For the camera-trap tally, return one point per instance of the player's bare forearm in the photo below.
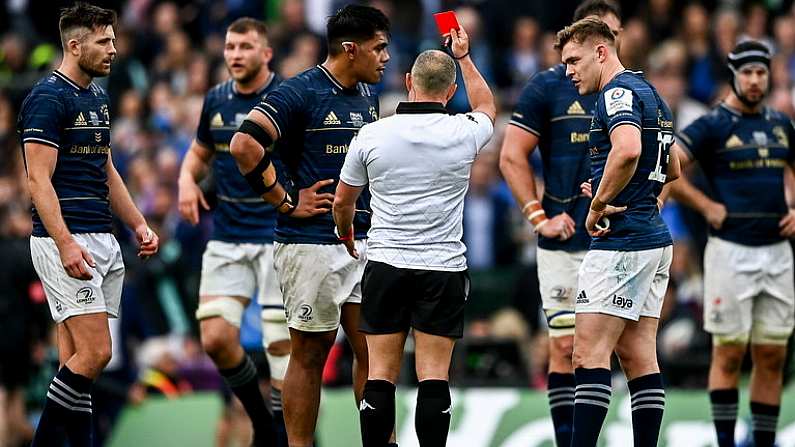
(517, 146)
(248, 153)
(620, 166)
(619, 169)
(345, 206)
(195, 164)
(120, 200)
(685, 193)
(41, 161)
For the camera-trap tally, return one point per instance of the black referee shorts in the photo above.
(395, 299)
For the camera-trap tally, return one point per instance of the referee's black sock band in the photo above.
(242, 379)
(377, 413)
(434, 411)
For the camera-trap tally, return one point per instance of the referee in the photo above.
(417, 165)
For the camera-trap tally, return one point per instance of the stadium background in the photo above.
(170, 53)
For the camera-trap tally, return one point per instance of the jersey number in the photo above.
(664, 140)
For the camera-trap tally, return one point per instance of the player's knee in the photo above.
(561, 347)
(215, 343)
(97, 356)
(770, 359)
(728, 362)
(311, 354)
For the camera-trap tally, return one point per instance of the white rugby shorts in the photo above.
(748, 289)
(557, 279)
(69, 296)
(239, 270)
(316, 280)
(625, 284)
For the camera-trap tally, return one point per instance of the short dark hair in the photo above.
(354, 23)
(582, 30)
(84, 15)
(599, 8)
(246, 24)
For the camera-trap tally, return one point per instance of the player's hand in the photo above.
(351, 247)
(787, 224)
(148, 242)
(559, 227)
(586, 190)
(459, 42)
(715, 214)
(190, 196)
(76, 260)
(601, 216)
(311, 203)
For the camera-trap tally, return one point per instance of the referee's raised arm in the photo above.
(480, 97)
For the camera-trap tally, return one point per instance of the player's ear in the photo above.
(408, 83)
(451, 91)
(601, 52)
(350, 49)
(73, 47)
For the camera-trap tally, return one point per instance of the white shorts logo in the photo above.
(618, 100)
(305, 312)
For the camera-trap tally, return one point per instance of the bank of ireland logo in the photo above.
(85, 296)
(305, 312)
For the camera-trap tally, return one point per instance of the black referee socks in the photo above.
(67, 409)
(591, 402)
(648, 404)
(377, 413)
(434, 411)
(242, 379)
(560, 391)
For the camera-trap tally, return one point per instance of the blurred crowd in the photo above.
(170, 54)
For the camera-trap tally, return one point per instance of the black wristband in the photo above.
(459, 58)
(256, 178)
(255, 131)
(288, 201)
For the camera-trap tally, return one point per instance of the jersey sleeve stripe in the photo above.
(525, 127)
(41, 140)
(685, 142)
(270, 117)
(620, 123)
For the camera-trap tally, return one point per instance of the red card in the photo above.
(446, 21)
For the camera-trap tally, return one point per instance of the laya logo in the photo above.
(621, 302)
(305, 312)
(85, 296)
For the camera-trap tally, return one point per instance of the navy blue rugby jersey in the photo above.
(241, 216)
(74, 121)
(551, 108)
(743, 157)
(316, 118)
(628, 99)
